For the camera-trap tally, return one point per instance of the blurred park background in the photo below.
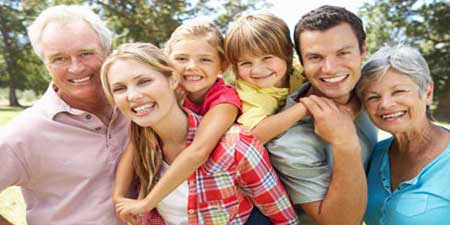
(23, 78)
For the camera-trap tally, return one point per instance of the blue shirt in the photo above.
(423, 200)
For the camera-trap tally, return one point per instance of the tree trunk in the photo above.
(442, 112)
(10, 64)
(9, 47)
(13, 101)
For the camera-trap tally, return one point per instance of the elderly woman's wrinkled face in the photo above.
(394, 104)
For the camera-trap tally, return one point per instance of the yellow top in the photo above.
(258, 103)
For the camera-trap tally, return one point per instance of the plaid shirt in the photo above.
(236, 177)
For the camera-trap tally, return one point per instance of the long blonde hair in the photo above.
(148, 158)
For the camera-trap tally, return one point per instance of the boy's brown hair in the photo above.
(258, 35)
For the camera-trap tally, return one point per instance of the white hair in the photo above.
(400, 58)
(64, 14)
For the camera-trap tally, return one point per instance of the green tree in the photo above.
(19, 69)
(154, 21)
(423, 24)
(130, 20)
(143, 20)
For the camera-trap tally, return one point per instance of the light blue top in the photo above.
(304, 161)
(423, 200)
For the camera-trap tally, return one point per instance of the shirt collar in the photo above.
(242, 84)
(53, 104)
(292, 99)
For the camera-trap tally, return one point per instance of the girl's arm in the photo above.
(123, 179)
(124, 174)
(3, 221)
(212, 127)
(276, 124)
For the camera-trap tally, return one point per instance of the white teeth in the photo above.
(192, 78)
(262, 77)
(398, 114)
(339, 78)
(84, 79)
(144, 108)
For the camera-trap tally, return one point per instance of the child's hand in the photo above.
(332, 123)
(129, 209)
(353, 106)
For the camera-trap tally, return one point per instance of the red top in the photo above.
(219, 93)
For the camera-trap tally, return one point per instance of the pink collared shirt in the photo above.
(64, 160)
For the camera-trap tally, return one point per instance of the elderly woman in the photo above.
(409, 173)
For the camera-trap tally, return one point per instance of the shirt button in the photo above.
(109, 136)
(191, 211)
(88, 117)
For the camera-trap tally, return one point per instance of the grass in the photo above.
(7, 113)
(12, 206)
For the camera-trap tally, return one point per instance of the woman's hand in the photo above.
(122, 207)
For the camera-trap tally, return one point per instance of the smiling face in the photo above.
(332, 61)
(263, 71)
(394, 104)
(73, 57)
(143, 94)
(198, 64)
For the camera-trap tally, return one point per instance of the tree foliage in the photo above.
(423, 24)
(130, 20)
(18, 63)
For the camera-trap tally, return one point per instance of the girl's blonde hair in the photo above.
(195, 30)
(148, 158)
(259, 34)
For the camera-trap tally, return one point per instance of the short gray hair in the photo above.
(400, 58)
(64, 14)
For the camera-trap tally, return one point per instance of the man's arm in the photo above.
(346, 198)
(12, 167)
(3, 221)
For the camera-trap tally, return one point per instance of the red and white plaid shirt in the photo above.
(236, 177)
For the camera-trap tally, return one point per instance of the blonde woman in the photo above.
(237, 176)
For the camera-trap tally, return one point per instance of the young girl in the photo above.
(141, 82)
(261, 53)
(196, 51)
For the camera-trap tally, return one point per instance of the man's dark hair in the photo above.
(324, 18)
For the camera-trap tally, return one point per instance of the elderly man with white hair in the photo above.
(63, 151)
